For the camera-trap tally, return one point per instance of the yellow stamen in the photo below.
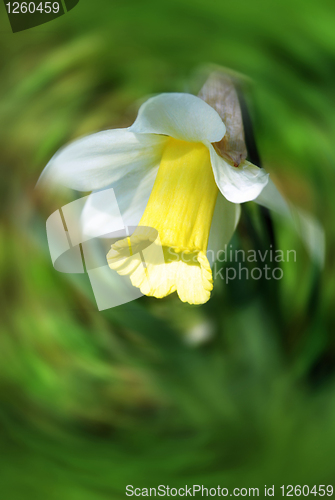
(129, 244)
(180, 209)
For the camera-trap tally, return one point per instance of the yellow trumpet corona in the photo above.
(180, 208)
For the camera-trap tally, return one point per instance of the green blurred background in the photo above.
(239, 392)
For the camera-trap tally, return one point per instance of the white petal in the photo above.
(308, 228)
(237, 184)
(132, 195)
(271, 198)
(100, 215)
(182, 116)
(95, 161)
(225, 219)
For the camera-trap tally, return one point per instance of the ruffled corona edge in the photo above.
(160, 270)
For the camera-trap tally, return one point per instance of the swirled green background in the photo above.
(91, 402)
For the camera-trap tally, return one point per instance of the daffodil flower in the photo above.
(168, 175)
